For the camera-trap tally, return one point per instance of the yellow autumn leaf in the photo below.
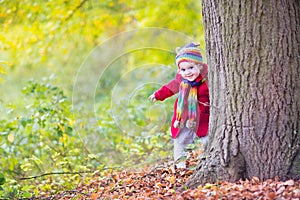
(111, 4)
(3, 63)
(2, 71)
(172, 191)
(207, 186)
(11, 137)
(128, 181)
(171, 179)
(159, 185)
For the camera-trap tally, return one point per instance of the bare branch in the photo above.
(65, 173)
(75, 9)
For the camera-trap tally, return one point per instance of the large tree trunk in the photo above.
(253, 51)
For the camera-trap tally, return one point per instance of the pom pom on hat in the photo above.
(189, 53)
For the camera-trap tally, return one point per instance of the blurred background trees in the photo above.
(43, 37)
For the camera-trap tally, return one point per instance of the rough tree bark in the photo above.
(253, 51)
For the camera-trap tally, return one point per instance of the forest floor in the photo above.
(163, 181)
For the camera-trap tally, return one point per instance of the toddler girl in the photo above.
(191, 108)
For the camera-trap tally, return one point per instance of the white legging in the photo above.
(185, 137)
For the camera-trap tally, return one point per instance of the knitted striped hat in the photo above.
(189, 53)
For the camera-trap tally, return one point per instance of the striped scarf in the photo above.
(187, 90)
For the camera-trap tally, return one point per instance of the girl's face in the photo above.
(189, 70)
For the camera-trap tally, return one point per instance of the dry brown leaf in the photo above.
(289, 183)
(94, 196)
(255, 180)
(296, 193)
(280, 190)
(271, 195)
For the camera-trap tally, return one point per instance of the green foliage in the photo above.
(43, 139)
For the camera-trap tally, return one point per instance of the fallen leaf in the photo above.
(289, 183)
(171, 179)
(255, 180)
(207, 186)
(280, 190)
(271, 195)
(297, 193)
(94, 196)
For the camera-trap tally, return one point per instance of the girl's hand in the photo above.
(152, 98)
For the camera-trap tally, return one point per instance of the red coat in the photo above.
(202, 109)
